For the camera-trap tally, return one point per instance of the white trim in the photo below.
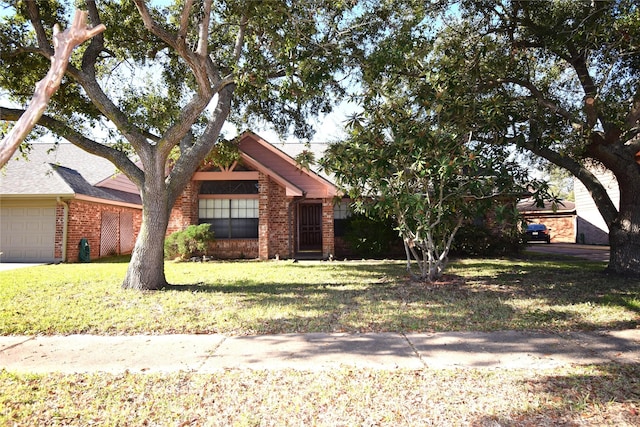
(84, 198)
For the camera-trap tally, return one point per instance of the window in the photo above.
(230, 218)
(341, 214)
(229, 187)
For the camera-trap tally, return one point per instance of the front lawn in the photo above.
(243, 298)
(277, 297)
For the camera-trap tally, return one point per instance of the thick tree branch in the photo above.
(633, 117)
(186, 166)
(184, 21)
(203, 38)
(118, 158)
(194, 61)
(41, 35)
(200, 69)
(579, 64)
(597, 191)
(64, 43)
(86, 78)
(540, 98)
(237, 49)
(97, 43)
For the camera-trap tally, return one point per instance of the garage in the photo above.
(27, 232)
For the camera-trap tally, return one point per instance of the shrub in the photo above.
(370, 238)
(192, 241)
(472, 240)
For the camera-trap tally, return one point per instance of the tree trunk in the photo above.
(146, 269)
(624, 233)
(624, 257)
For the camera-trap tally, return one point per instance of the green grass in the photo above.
(242, 298)
(584, 395)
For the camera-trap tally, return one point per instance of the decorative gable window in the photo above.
(231, 207)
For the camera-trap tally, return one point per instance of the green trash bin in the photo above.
(84, 251)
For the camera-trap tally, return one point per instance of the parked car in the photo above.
(538, 233)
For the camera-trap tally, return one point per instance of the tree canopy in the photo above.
(400, 164)
(559, 79)
(166, 77)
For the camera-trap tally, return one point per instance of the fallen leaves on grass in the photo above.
(584, 395)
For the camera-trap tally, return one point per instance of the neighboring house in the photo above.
(591, 228)
(59, 196)
(263, 206)
(561, 221)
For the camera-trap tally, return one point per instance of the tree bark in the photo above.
(624, 232)
(623, 222)
(146, 268)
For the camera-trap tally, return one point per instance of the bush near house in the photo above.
(474, 240)
(192, 241)
(372, 238)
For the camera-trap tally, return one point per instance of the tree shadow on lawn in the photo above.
(607, 394)
(379, 273)
(381, 298)
(563, 284)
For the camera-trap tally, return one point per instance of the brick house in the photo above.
(263, 206)
(59, 196)
(591, 227)
(562, 221)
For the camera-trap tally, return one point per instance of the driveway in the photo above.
(588, 252)
(5, 266)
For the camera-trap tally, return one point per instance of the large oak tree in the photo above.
(559, 79)
(162, 78)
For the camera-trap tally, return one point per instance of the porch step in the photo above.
(309, 255)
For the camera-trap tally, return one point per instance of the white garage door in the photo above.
(27, 233)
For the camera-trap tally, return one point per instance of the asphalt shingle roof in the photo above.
(64, 170)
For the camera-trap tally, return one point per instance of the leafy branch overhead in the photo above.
(63, 44)
(547, 81)
(164, 78)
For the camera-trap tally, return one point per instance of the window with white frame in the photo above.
(230, 218)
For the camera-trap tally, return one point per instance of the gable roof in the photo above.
(68, 171)
(258, 153)
(62, 170)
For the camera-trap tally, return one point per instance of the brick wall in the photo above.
(275, 222)
(234, 249)
(57, 251)
(263, 215)
(328, 235)
(84, 221)
(185, 210)
(563, 228)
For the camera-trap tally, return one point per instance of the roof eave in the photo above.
(291, 189)
(332, 190)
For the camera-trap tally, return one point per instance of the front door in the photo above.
(310, 226)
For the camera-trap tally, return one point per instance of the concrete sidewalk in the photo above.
(211, 353)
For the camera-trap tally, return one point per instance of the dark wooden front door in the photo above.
(310, 226)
